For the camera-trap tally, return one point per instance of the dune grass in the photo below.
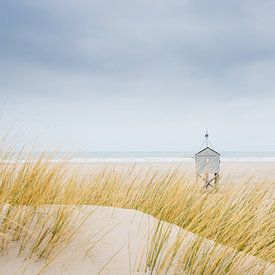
(239, 216)
(34, 212)
(170, 252)
(37, 199)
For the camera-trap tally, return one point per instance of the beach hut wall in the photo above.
(207, 161)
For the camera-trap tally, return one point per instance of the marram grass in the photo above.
(37, 199)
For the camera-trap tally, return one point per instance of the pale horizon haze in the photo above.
(138, 75)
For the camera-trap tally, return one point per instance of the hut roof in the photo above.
(208, 149)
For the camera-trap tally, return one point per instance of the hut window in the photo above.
(207, 160)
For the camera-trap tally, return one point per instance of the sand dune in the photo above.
(111, 241)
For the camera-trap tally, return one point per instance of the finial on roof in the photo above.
(206, 138)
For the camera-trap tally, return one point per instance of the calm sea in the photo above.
(123, 157)
(163, 156)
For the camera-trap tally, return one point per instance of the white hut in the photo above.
(207, 163)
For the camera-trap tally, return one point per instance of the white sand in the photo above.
(109, 232)
(241, 171)
(111, 241)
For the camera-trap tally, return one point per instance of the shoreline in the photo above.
(137, 160)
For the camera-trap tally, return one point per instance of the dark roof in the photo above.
(207, 148)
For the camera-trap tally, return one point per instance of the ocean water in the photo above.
(164, 156)
(140, 157)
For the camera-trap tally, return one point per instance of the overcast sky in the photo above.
(140, 74)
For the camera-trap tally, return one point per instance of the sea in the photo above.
(156, 156)
(139, 157)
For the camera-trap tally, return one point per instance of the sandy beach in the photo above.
(255, 171)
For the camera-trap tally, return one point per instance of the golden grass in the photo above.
(239, 216)
(33, 209)
(182, 253)
(37, 199)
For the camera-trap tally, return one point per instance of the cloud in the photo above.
(171, 66)
(121, 37)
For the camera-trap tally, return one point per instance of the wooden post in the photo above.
(206, 178)
(216, 180)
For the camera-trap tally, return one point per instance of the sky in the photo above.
(139, 75)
